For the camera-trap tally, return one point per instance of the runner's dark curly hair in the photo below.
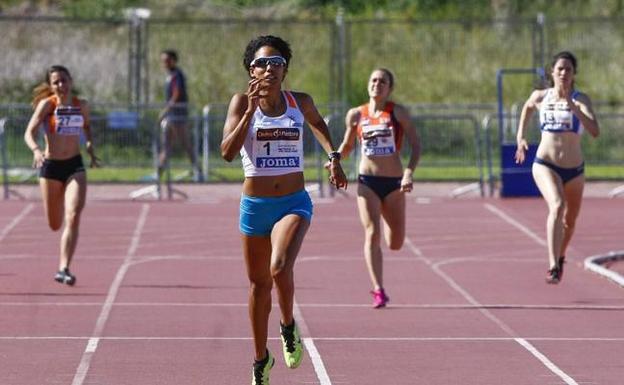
(267, 40)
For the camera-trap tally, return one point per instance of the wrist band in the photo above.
(333, 155)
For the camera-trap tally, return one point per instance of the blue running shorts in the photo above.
(258, 215)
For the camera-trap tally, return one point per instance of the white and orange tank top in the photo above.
(381, 135)
(274, 145)
(65, 120)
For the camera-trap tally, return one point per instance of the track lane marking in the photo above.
(450, 306)
(317, 362)
(85, 360)
(92, 345)
(507, 218)
(544, 360)
(501, 324)
(95, 341)
(7, 229)
(594, 263)
(308, 342)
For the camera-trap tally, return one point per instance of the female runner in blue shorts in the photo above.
(380, 126)
(62, 176)
(265, 124)
(558, 169)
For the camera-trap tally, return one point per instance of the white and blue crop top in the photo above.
(274, 145)
(556, 116)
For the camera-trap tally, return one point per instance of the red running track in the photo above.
(161, 298)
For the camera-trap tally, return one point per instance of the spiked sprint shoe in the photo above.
(553, 276)
(291, 344)
(64, 276)
(380, 299)
(261, 369)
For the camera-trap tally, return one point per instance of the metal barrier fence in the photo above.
(130, 142)
(3, 157)
(452, 141)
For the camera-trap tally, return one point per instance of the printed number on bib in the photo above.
(68, 123)
(378, 139)
(277, 148)
(558, 116)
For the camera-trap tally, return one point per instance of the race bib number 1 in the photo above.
(277, 148)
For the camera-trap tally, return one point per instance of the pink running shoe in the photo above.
(380, 299)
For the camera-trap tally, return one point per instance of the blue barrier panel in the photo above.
(123, 120)
(516, 179)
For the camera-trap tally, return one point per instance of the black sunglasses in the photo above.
(263, 62)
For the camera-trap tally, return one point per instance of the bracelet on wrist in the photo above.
(334, 155)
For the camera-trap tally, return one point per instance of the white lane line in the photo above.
(7, 229)
(515, 223)
(48, 256)
(450, 306)
(308, 342)
(491, 258)
(594, 262)
(85, 361)
(95, 341)
(317, 362)
(417, 252)
(548, 363)
(457, 287)
(92, 345)
(203, 258)
(449, 261)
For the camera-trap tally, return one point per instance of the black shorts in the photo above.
(566, 174)
(381, 185)
(61, 170)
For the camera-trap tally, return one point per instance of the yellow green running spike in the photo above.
(291, 344)
(260, 373)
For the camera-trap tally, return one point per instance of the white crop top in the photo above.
(274, 145)
(556, 116)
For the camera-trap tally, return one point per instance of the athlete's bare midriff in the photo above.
(274, 185)
(61, 147)
(381, 166)
(562, 149)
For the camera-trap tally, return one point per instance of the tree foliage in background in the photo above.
(403, 9)
(472, 41)
(96, 9)
(420, 9)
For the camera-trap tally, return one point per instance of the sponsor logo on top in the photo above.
(281, 162)
(278, 134)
